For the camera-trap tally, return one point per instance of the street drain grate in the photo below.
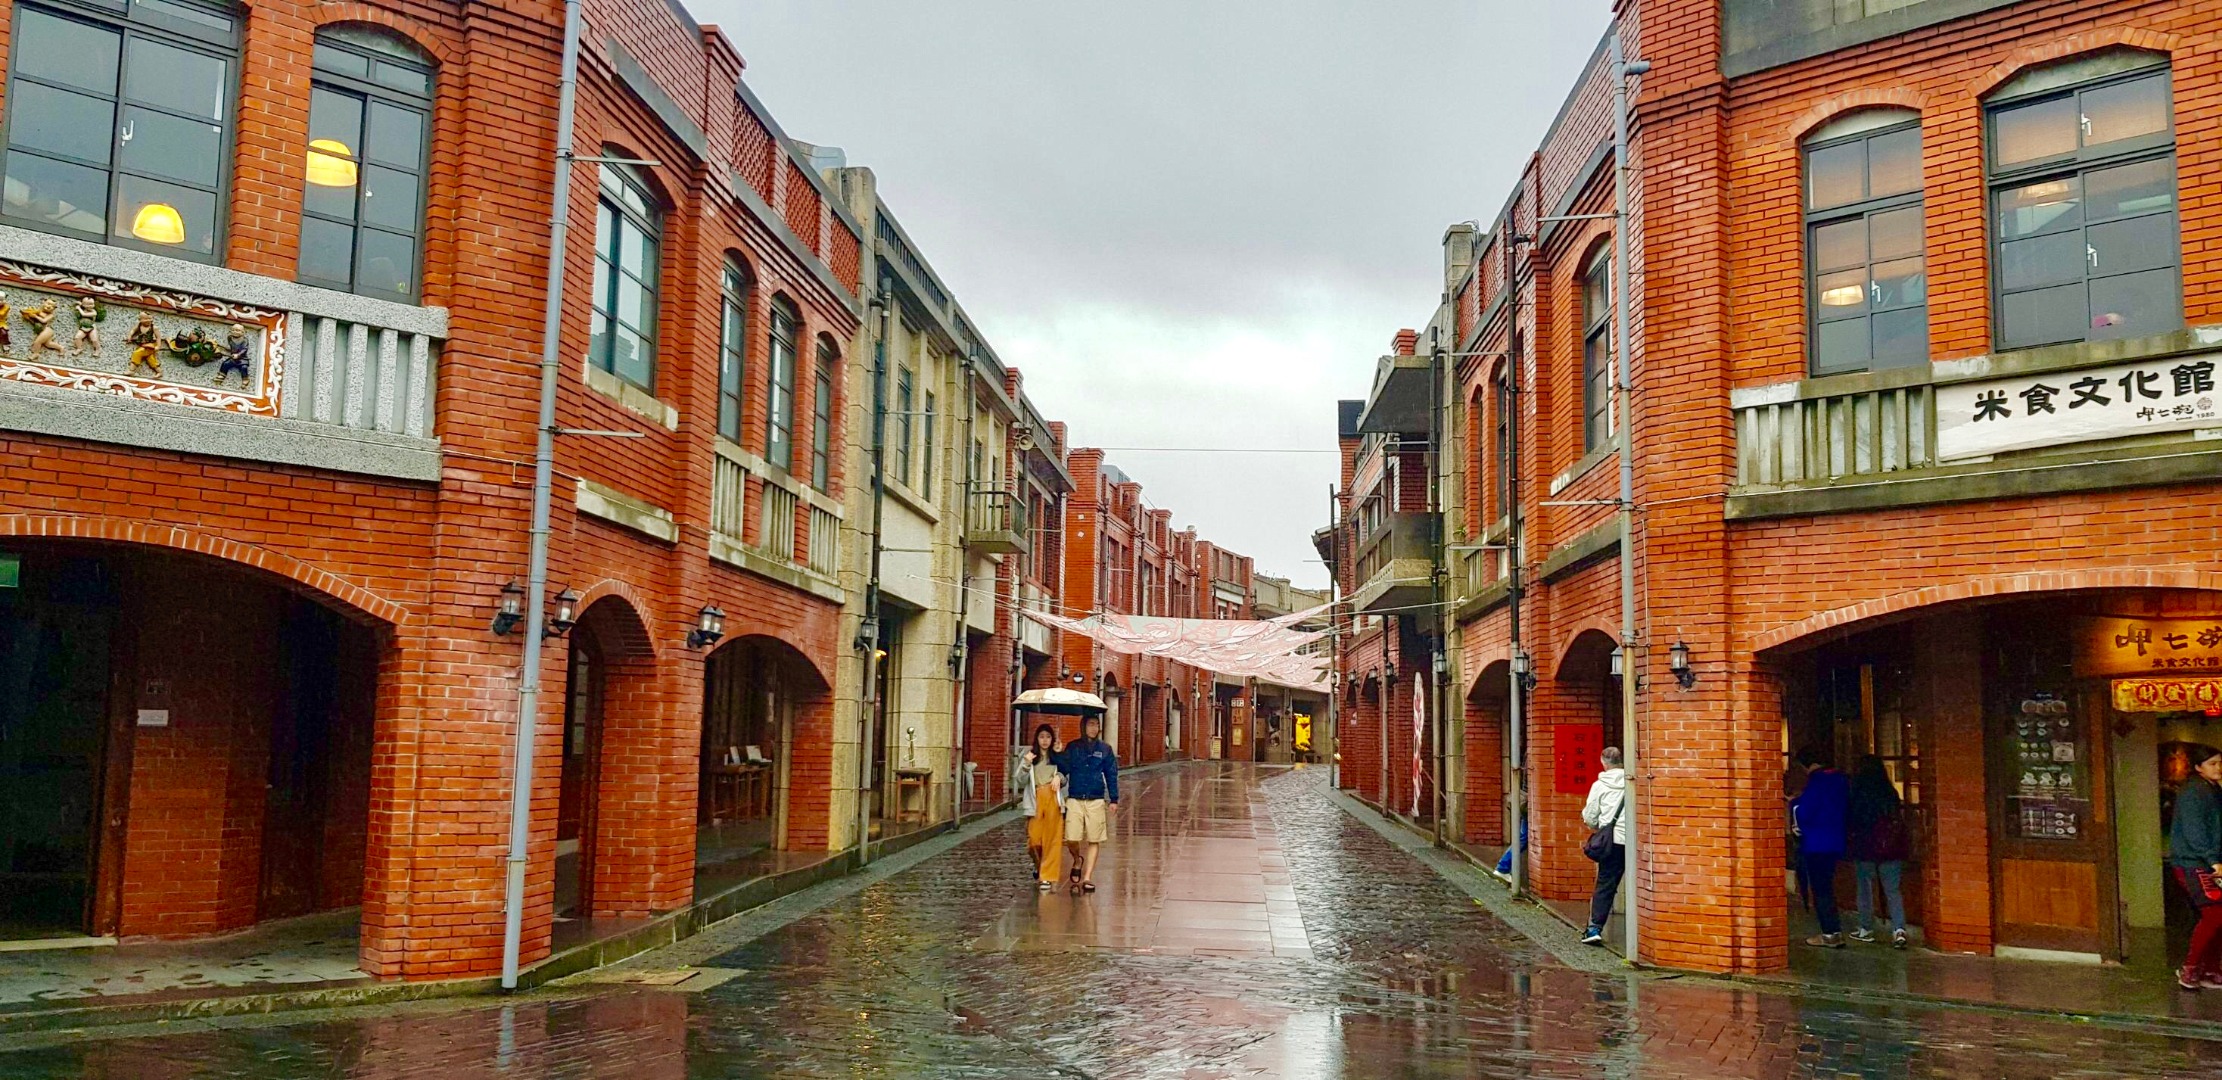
(683, 980)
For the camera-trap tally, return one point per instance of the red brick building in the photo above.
(247, 623)
(1924, 312)
(1123, 555)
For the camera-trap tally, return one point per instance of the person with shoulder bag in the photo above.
(1605, 812)
(1880, 847)
(2195, 860)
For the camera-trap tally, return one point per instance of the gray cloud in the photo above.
(1190, 222)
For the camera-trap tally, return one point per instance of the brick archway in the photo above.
(347, 595)
(1978, 588)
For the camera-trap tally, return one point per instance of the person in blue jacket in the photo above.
(1819, 814)
(1091, 798)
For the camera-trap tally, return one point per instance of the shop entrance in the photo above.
(185, 745)
(55, 622)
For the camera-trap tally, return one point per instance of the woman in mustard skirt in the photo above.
(1041, 797)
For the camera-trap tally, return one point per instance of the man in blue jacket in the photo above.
(1820, 814)
(1091, 798)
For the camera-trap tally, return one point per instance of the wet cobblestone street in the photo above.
(1248, 927)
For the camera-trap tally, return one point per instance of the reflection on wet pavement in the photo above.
(1247, 927)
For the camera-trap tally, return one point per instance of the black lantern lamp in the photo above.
(1523, 669)
(565, 616)
(1678, 661)
(511, 610)
(708, 628)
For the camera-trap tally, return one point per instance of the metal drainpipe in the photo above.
(871, 641)
(1516, 703)
(1438, 655)
(1631, 667)
(963, 710)
(543, 485)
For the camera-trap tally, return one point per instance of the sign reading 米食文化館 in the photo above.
(2128, 646)
(1995, 416)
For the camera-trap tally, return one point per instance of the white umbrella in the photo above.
(1061, 701)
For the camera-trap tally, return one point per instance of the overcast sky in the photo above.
(1190, 223)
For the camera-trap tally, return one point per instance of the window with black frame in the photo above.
(1867, 279)
(926, 441)
(779, 437)
(904, 382)
(370, 124)
(628, 235)
(1500, 408)
(732, 351)
(120, 122)
(1597, 358)
(2083, 185)
(821, 417)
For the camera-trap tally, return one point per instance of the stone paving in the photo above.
(1327, 950)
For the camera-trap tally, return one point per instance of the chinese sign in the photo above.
(1993, 417)
(2046, 754)
(2167, 695)
(1574, 754)
(2149, 646)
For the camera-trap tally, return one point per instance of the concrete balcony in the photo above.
(1396, 564)
(244, 366)
(1033, 636)
(2079, 417)
(1400, 400)
(995, 523)
(797, 535)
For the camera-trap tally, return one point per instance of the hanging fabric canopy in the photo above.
(1262, 649)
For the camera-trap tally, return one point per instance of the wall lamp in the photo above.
(1618, 665)
(565, 616)
(511, 609)
(709, 626)
(1523, 669)
(1678, 662)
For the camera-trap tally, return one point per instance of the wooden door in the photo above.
(582, 733)
(300, 761)
(54, 682)
(2053, 883)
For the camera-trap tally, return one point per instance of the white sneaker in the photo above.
(1897, 939)
(1864, 936)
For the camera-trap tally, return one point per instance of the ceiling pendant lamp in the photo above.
(331, 163)
(158, 223)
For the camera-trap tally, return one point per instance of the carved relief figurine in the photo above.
(146, 342)
(40, 317)
(6, 339)
(236, 352)
(192, 346)
(90, 314)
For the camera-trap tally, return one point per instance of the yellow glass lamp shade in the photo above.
(158, 223)
(1845, 296)
(331, 163)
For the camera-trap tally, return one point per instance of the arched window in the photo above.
(1867, 278)
(120, 122)
(779, 440)
(370, 125)
(732, 351)
(821, 416)
(628, 234)
(1597, 359)
(2082, 167)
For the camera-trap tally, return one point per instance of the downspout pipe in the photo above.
(1437, 572)
(868, 635)
(1516, 701)
(961, 656)
(543, 486)
(1631, 666)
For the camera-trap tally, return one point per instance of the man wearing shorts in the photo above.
(1091, 798)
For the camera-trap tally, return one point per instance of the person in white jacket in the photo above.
(1041, 798)
(1607, 805)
